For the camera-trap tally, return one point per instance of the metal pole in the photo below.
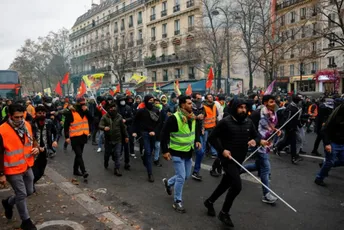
(291, 207)
(273, 134)
(228, 88)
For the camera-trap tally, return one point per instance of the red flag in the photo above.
(127, 92)
(188, 91)
(65, 78)
(210, 78)
(118, 88)
(111, 92)
(82, 89)
(58, 89)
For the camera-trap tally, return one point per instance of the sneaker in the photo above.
(178, 206)
(99, 150)
(269, 198)
(296, 159)
(157, 163)
(133, 155)
(118, 173)
(276, 152)
(8, 209)
(196, 176)
(168, 188)
(320, 182)
(28, 225)
(85, 175)
(127, 167)
(210, 207)
(150, 178)
(226, 219)
(214, 173)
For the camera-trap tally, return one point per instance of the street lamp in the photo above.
(215, 13)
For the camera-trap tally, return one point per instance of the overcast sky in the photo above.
(22, 19)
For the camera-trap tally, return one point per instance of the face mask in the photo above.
(49, 104)
(130, 103)
(18, 123)
(122, 102)
(149, 105)
(40, 118)
(113, 113)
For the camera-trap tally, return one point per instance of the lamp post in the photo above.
(216, 12)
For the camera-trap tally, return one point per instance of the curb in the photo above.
(98, 210)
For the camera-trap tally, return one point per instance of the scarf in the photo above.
(21, 130)
(208, 103)
(44, 134)
(185, 115)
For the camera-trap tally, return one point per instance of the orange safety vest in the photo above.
(210, 118)
(25, 114)
(315, 112)
(79, 126)
(17, 156)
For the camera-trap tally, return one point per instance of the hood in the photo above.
(162, 96)
(138, 96)
(235, 103)
(147, 98)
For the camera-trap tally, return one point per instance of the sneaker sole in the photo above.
(196, 178)
(269, 202)
(179, 211)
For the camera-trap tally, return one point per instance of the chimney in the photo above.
(94, 5)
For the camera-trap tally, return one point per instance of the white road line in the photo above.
(314, 157)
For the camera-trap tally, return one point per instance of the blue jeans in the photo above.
(262, 165)
(100, 139)
(148, 143)
(212, 149)
(156, 150)
(199, 156)
(182, 168)
(332, 159)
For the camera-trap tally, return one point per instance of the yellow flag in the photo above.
(87, 81)
(142, 79)
(135, 77)
(47, 91)
(154, 87)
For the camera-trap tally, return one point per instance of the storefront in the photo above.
(302, 84)
(328, 81)
(282, 84)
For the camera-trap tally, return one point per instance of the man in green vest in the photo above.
(4, 110)
(182, 135)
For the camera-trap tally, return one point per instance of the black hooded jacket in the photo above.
(233, 134)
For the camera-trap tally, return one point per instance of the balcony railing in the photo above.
(131, 24)
(191, 28)
(116, 30)
(139, 21)
(115, 48)
(171, 59)
(131, 44)
(122, 46)
(153, 38)
(163, 13)
(176, 8)
(176, 32)
(152, 17)
(164, 35)
(122, 28)
(192, 76)
(288, 3)
(139, 42)
(190, 3)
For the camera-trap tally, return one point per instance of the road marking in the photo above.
(314, 157)
(68, 223)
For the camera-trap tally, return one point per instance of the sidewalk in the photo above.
(58, 204)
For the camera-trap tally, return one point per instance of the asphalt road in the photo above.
(148, 205)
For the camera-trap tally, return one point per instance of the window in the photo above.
(131, 21)
(281, 70)
(178, 73)
(164, 9)
(139, 35)
(292, 17)
(139, 55)
(164, 5)
(153, 10)
(282, 20)
(314, 28)
(292, 34)
(191, 20)
(302, 13)
(314, 67)
(191, 72)
(176, 27)
(116, 42)
(165, 75)
(164, 30)
(122, 24)
(315, 10)
(291, 70)
(314, 46)
(154, 76)
(153, 33)
(331, 62)
(306, 86)
(139, 17)
(131, 37)
(302, 68)
(176, 6)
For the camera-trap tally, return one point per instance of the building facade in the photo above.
(306, 49)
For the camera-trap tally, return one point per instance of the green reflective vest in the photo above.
(184, 139)
(3, 112)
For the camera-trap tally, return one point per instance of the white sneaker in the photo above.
(269, 198)
(99, 150)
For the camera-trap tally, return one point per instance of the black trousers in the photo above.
(290, 139)
(78, 160)
(231, 181)
(39, 166)
(317, 141)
